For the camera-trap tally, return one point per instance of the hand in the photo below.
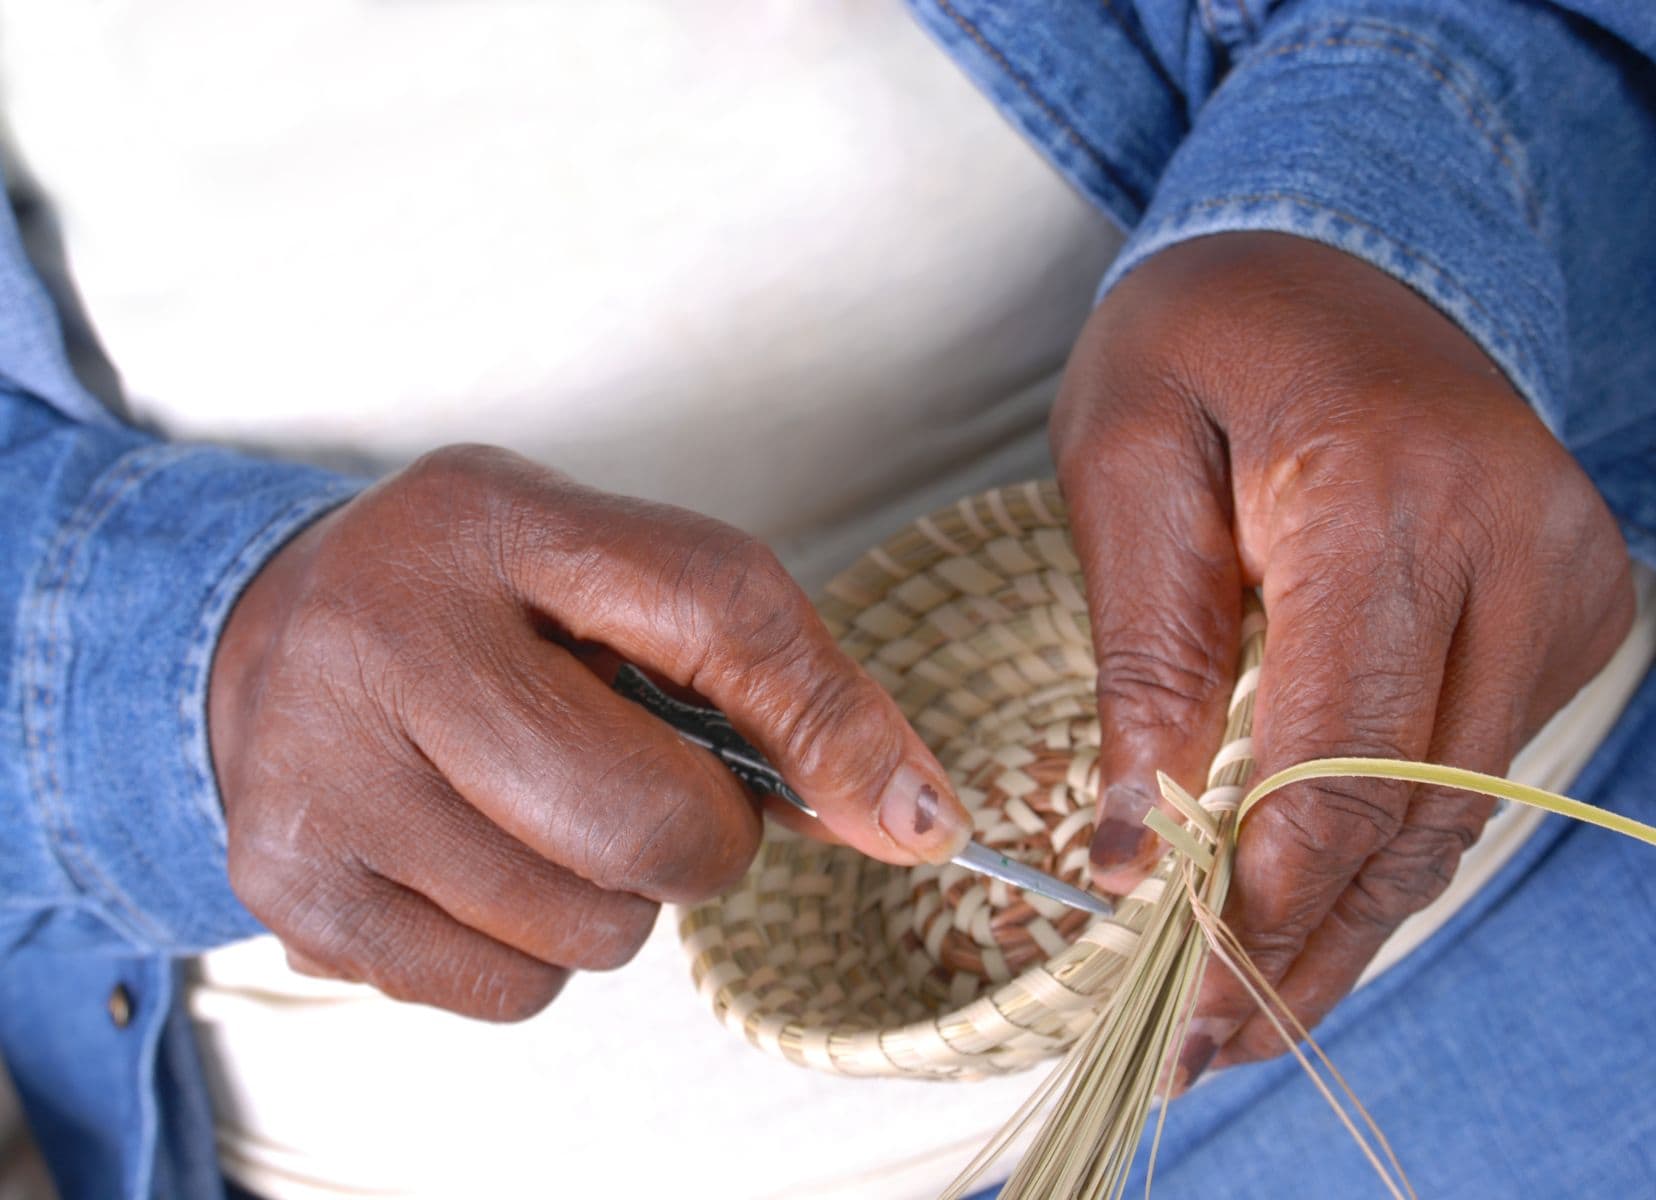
(427, 792)
(1255, 410)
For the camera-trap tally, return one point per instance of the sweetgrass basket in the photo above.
(974, 619)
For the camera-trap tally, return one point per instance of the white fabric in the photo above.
(774, 261)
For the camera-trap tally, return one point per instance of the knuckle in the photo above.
(324, 922)
(478, 512)
(358, 645)
(1370, 730)
(1377, 904)
(843, 735)
(379, 928)
(1082, 431)
(515, 997)
(1408, 873)
(1599, 624)
(1338, 822)
(738, 602)
(683, 839)
(1274, 947)
(460, 465)
(700, 851)
(1291, 877)
(1370, 720)
(447, 489)
(255, 886)
(1156, 681)
(609, 933)
(1134, 369)
(1475, 533)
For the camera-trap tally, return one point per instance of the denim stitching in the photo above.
(1479, 112)
(42, 650)
(41, 657)
(1171, 222)
(1497, 141)
(1069, 132)
(138, 470)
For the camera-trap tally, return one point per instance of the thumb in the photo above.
(1150, 514)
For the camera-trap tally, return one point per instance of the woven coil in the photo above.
(974, 620)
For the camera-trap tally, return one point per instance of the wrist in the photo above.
(249, 637)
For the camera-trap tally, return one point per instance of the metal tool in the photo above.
(711, 730)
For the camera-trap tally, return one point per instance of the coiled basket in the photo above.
(974, 619)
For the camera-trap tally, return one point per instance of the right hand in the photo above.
(426, 792)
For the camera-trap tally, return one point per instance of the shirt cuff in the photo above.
(116, 637)
(1371, 138)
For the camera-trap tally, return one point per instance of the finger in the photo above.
(1145, 485)
(605, 663)
(713, 610)
(1354, 666)
(357, 926)
(582, 777)
(1477, 728)
(303, 964)
(431, 841)
(1492, 702)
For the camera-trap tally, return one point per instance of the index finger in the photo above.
(713, 609)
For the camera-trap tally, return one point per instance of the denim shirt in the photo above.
(1498, 156)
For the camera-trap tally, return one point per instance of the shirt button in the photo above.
(120, 1006)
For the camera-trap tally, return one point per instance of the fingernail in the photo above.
(1202, 1042)
(921, 817)
(1115, 843)
(1121, 833)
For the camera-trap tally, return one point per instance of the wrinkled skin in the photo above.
(1255, 410)
(427, 791)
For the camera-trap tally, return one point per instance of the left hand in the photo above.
(1257, 410)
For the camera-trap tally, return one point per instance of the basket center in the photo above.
(1034, 803)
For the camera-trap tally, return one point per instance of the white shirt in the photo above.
(774, 261)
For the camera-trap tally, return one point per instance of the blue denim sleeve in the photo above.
(120, 556)
(1450, 145)
(1498, 156)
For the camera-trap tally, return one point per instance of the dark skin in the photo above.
(1440, 577)
(425, 792)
